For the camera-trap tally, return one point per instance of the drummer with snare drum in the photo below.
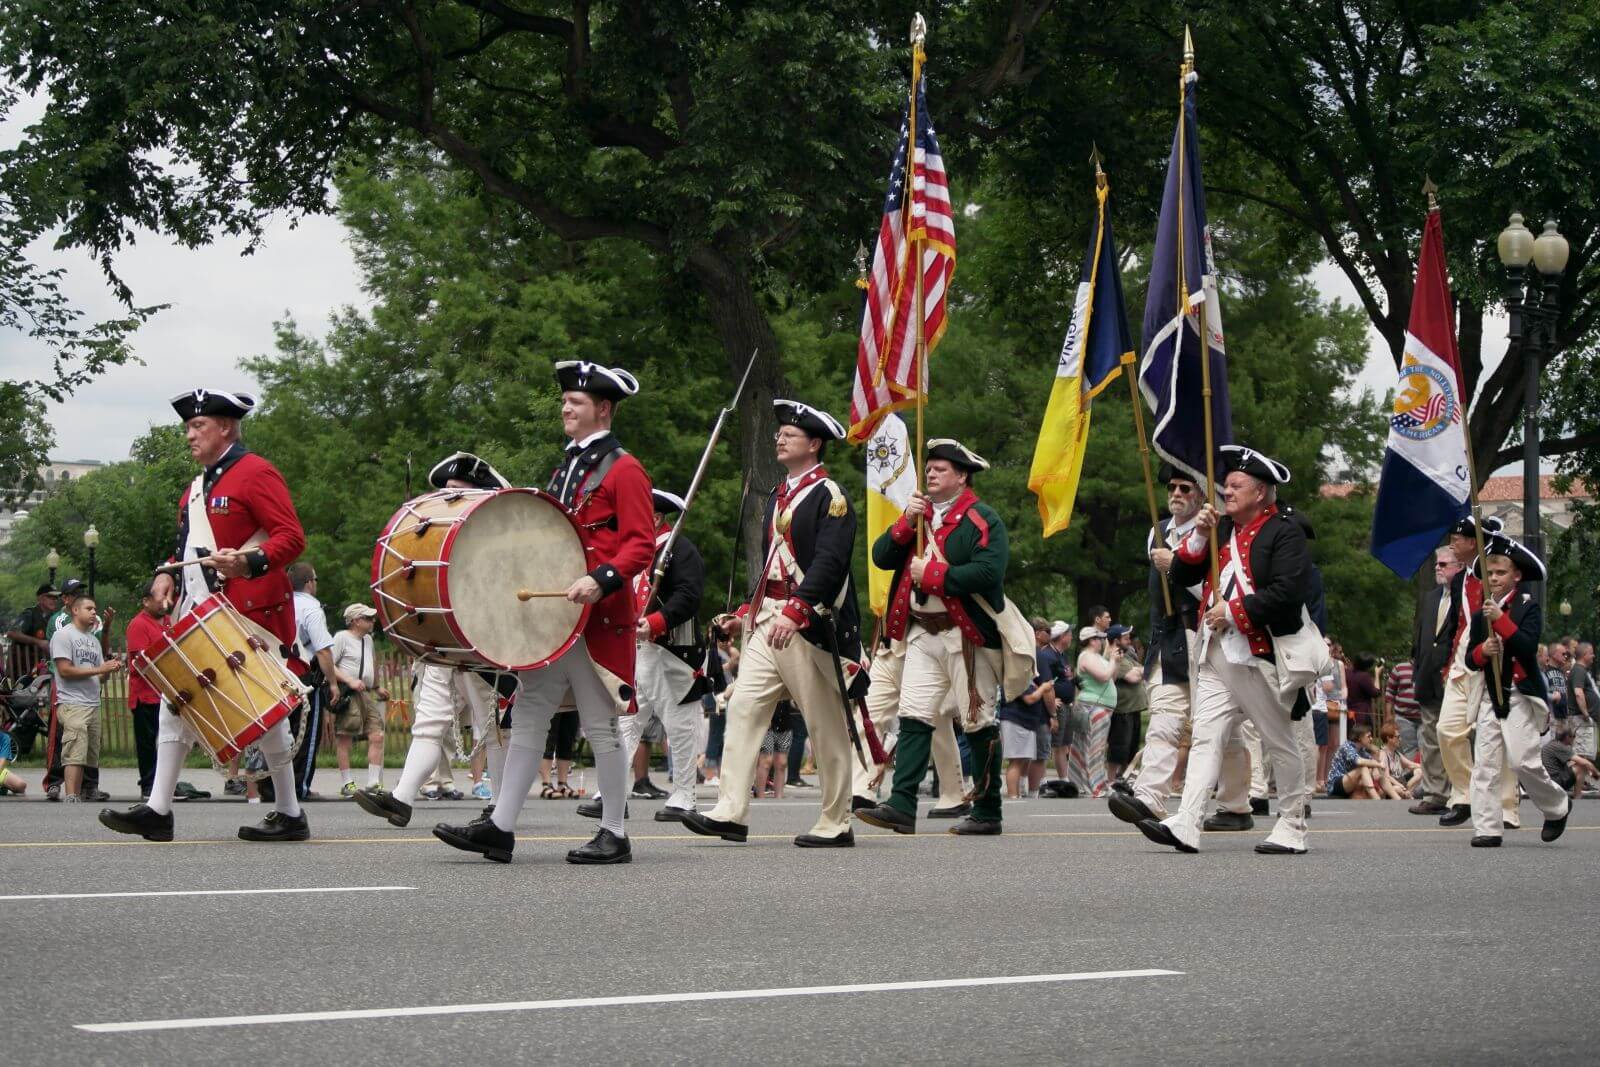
(608, 493)
(236, 516)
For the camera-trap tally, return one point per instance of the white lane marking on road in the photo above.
(1107, 815)
(214, 892)
(606, 1002)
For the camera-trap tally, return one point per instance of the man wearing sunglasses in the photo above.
(1430, 655)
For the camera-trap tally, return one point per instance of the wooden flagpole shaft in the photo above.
(1483, 561)
(918, 31)
(1130, 364)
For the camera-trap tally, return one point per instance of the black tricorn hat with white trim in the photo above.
(1468, 527)
(814, 421)
(1258, 466)
(213, 402)
(608, 383)
(666, 503)
(1521, 556)
(953, 451)
(465, 467)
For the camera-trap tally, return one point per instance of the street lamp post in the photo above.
(52, 560)
(91, 541)
(1532, 306)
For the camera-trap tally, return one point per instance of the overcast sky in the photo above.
(223, 305)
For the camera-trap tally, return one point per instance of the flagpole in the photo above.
(1430, 191)
(1184, 71)
(919, 34)
(1130, 364)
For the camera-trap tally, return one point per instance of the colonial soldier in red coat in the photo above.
(237, 513)
(609, 494)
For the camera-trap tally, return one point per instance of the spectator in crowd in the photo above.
(146, 633)
(773, 763)
(316, 649)
(1556, 662)
(559, 746)
(362, 714)
(1132, 700)
(1356, 771)
(1431, 644)
(1020, 720)
(1361, 690)
(1318, 691)
(724, 667)
(800, 734)
(1097, 697)
(1066, 689)
(1566, 767)
(1334, 687)
(29, 645)
(1400, 773)
(9, 783)
(79, 665)
(1400, 705)
(1583, 699)
(55, 774)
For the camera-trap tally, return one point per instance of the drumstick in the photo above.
(529, 594)
(175, 568)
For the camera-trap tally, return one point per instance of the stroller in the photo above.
(24, 703)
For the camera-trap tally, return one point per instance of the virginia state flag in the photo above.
(891, 479)
(1181, 305)
(1097, 344)
(1424, 487)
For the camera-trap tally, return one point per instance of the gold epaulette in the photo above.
(839, 505)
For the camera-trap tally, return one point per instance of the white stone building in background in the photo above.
(56, 473)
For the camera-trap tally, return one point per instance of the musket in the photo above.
(832, 633)
(664, 557)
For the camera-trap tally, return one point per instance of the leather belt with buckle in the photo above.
(935, 622)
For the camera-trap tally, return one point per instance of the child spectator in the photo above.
(75, 650)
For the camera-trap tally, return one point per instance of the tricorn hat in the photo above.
(1258, 466)
(466, 467)
(814, 421)
(608, 383)
(213, 402)
(953, 451)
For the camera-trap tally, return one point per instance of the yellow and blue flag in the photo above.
(1098, 344)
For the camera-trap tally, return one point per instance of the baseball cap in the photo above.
(1088, 632)
(1117, 630)
(47, 590)
(358, 611)
(1058, 628)
(73, 587)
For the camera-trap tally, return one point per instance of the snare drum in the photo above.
(215, 671)
(448, 566)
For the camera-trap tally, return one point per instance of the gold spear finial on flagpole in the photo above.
(1096, 158)
(1188, 49)
(1430, 191)
(861, 265)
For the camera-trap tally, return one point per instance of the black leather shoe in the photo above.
(887, 818)
(861, 803)
(486, 814)
(645, 789)
(1458, 814)
(708, 827)
(384, 806)
(139, 820)
(1428, 806)
(1554, 828)
(484, 838)
(844, 840)
(595, 807)
(278, 827)
(970, 827)
(1259, 806)
(604, 847)
(1272, 848)
(1120, 785)
(671, 814)
(1130, 808)
(954, 811)
(1485, 842)
(1160, 834)
(1229, 822)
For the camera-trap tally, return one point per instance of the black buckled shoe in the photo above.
(1161, 834)
(1228, 822)
(384, 806)
(139, 820)
(1482, 841)
(972, 827)
(887, 818)
(595, 807)
(278, 827)
(844, 840)
(1259, 806)
(671, 814)
(706, 826)
(484, 838)
(1554, 828)
(954, 811)
(1130, 808)
(604, 847)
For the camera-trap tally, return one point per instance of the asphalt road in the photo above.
(1391, 941)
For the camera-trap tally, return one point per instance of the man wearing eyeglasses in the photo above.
(1430, 654)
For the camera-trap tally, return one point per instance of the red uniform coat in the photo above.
(249, 495)
(617, 517)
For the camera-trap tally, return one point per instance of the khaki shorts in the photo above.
(362, 717)
(80, 734)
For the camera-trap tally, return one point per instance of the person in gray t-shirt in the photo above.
(75, 652)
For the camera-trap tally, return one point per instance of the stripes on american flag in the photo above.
(887, 376)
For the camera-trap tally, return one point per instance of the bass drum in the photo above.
(448, 566)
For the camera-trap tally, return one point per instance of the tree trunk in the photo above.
(742, 327)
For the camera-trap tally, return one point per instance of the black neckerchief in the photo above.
(582, 463)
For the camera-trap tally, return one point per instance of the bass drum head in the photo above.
(517, 539)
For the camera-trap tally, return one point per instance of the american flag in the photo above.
(887, 375)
